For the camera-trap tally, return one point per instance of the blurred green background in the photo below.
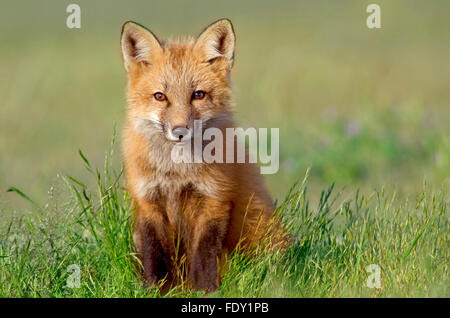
(363, 108)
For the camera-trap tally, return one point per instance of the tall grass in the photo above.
(335, 242)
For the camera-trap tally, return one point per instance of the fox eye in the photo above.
(198, 95)
(160, 96)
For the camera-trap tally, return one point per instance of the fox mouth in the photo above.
(184, 134)
(178, 134)
(150, 125)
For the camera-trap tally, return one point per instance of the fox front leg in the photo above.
(152, 245)
(208, 237)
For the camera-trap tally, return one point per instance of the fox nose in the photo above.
(180, 132)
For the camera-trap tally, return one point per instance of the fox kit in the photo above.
(200, 210)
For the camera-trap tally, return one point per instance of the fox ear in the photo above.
(217, 41)
(139, 45)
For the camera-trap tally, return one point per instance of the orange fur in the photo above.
(212, 207)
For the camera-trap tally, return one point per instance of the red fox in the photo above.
(211, 207)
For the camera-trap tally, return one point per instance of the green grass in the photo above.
(334, 244)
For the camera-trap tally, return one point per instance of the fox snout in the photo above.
(179, 134)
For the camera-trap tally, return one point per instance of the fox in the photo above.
(202, 210)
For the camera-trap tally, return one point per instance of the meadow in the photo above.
(364, 145)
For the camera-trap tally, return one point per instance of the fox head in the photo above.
(173, 83)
